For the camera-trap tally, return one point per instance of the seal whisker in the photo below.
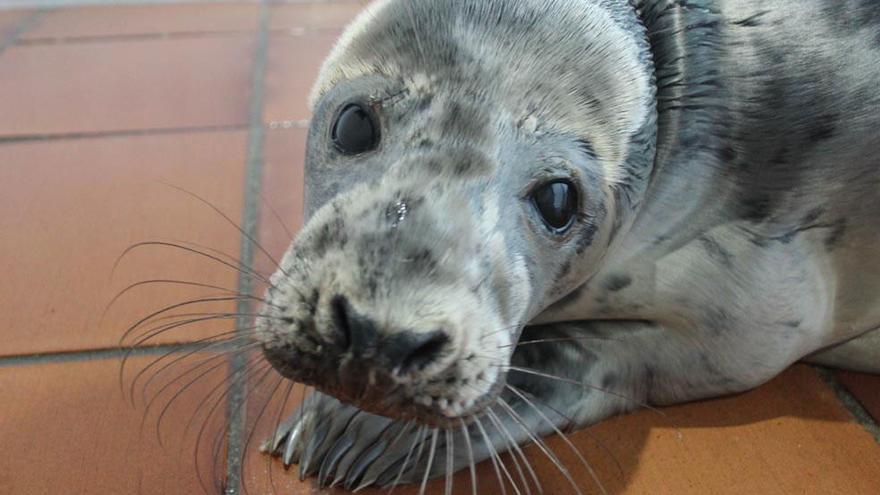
(449, 459)
(505, 436)
(516, 450)
(225, 386)
(188, 283)
(263, 409)
(541, 444)
(418, 440)
(202, 346)
(584, 384)
(494, 456)
(241, 268)
(563, 436)
(226, 217)
(559, 339)
(587, 432)
(431, 453)
(274, 440)
(471, 465)
(155, 331)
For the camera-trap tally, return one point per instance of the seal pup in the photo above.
(528, 215)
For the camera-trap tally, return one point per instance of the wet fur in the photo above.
(729, 155)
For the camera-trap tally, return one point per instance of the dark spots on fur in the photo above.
(586, 148)
(821, 128)
(617, 282)
(726, 154)
(716, 251)
(421, 260)
(464, 122)
(812, 216)
(425, 103)
(572, 296)
(836, 234)
(610, 381)
(752, 20)
(854, 15)
(792, 323)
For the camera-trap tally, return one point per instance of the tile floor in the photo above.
(104, 111)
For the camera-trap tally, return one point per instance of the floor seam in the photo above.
(236, 407)
(65, 136)
(54, 357)
(24, 26)
(850, 402)
(293, 32)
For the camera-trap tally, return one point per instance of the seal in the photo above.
(526, 216)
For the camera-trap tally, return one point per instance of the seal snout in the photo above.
(400, 353)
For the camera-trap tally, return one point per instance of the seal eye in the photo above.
(355, 130)
(557, 203)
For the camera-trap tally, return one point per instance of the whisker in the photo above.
(586, 431)
(449, 451)
(167, 281)
(564, 438)
(274, 441)
(563, 379)
(275, 214)
(494, 420)
(492, 455)
(541, 445)
(513, 446)
(204, 344)
(430, 461)
(472, 466)
(241, 268)
(231, 222)
(557, 339)
(418, 440)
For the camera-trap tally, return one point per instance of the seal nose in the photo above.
(402, 351)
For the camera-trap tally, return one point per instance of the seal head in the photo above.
(469, 164)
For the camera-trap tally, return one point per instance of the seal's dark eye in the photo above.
(355, 130)
(557, 203)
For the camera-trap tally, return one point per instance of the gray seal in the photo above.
(526, 216)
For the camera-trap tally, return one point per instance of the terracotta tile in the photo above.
(282, 194)
(10, 20)
(866, 388)
(97, 87)
(132, 20)
(69, 430)
(790, 436)
(318, 15)
(293, 66)
(69, 208)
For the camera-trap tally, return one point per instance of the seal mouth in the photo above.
(436, 400)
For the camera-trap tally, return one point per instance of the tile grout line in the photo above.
(55, 357)
(292, 32)
(850, 402)
(236, 407)
(24, 26)
(65, 136)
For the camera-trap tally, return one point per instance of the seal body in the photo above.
(717, 166)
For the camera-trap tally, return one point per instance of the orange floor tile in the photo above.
(135, 20)
(72, 207)
(112, 86)
(67, 428)
(101, 107)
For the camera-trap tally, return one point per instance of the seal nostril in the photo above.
(339, 313)
(425, 349)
